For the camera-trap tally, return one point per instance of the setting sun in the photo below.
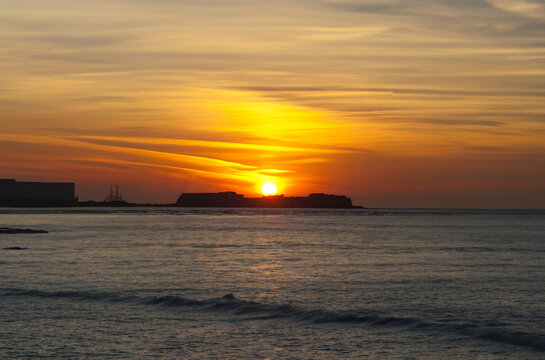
(268, 189)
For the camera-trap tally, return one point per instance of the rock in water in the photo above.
(15, 248)
(5, 230)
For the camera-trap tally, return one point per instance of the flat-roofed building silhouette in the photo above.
(9, 188)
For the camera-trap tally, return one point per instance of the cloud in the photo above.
(445, 92)
(285, 87)
(533, 9)
(385, 6)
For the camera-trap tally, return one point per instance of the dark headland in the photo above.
(47, 194)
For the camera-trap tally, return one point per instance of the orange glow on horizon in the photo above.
(196, 96)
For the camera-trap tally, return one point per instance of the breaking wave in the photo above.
(251, 310)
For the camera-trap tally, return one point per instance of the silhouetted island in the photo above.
(5, 230)
(232, 199)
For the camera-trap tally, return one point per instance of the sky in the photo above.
(395, 103)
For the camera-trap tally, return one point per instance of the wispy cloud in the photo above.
(533, 9)
(211, 89)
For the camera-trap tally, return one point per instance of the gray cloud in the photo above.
(446, 92)
(82, 41)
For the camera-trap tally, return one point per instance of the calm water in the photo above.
(278, 284)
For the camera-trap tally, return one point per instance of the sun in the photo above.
(268, 189)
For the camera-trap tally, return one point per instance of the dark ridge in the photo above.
(30, 203)
(114, 204)
(15, 248)
(260, 311)
(5, 230)
(19, 202)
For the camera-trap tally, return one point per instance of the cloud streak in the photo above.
(533, 9)
(234, 92)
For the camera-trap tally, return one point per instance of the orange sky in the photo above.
(413, 103)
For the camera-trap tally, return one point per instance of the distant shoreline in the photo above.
(29, 203)
(43, 203)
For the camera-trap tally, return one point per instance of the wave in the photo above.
(252, 310)
(214, 246)
(479, 249)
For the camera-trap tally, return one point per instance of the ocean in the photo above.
(169, 283)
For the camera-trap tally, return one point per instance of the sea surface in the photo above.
(154, 283)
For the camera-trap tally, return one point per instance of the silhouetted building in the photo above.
(9, 188)
(232, 199)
